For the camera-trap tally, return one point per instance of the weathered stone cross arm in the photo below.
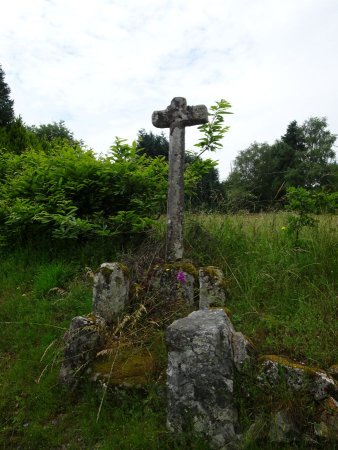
(177, 116)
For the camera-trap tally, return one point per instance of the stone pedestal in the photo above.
(212, 283)
(111, 290)
(174, 281)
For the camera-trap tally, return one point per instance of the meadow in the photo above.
(282, 294)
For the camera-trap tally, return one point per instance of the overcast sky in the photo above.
(104, 66)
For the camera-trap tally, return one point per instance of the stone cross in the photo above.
(177, 116)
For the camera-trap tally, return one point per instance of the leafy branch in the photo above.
(214, 131)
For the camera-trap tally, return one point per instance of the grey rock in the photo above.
(211, 282)
(111, 290)
(274, 371)
(323, 385)
(316, 382)
(200, 376)
(82, 341)
(242, 351)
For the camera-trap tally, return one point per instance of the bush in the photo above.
(69, 194)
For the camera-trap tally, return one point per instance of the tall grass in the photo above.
(281, 296)
(284, 297)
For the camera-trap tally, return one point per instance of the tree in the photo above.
(52, 131)
(6, 104)
(252, 183)
(294, 137)
(16, 138)
(319, 153)
(303, 157)
(152, 145)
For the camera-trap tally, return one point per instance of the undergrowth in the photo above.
(282, 296)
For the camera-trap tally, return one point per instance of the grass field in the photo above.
(282, 295)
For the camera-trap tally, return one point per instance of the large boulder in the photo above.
(200, 376)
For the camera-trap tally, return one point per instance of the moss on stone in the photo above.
(227, 311)
(211, 271)
(333, 370)
(294, 365)
(134, 370)
(185, 266)
(125, 269)
(126, 366)
(107, 271)
(214, 273)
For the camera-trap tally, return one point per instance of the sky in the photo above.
(104, 66)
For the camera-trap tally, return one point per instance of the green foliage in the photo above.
(272, 284)
(152, 144)
(304, 203)
(6, 104)
(207, 194)
(303, 157)
(69, 194)
(17, 137)
(53, 187)
(52, 276)
(51, 132)
(214, 130)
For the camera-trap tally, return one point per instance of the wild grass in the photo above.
(283, 296)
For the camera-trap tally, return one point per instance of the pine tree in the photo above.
(6, 104)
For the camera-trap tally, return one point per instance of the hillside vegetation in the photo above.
(282, 296)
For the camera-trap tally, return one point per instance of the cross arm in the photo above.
(178, 114)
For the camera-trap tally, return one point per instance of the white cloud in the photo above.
(104, 66)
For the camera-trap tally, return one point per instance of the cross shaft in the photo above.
(177, 116)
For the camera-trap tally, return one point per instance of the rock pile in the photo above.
(208, 361)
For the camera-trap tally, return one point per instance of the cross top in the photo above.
(178, 114)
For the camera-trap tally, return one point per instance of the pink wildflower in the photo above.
(181, 277)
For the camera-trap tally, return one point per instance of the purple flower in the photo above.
(181, 277)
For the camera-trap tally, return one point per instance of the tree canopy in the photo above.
(303, 157)
(6, 103)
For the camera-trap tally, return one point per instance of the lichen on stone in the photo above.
(297, 376)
